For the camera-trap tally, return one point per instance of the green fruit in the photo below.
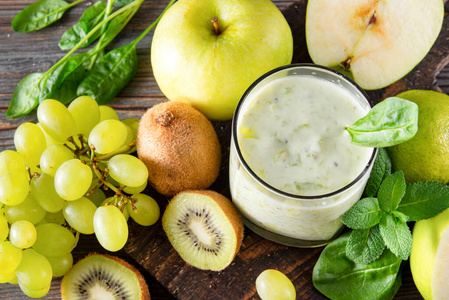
(425, 157)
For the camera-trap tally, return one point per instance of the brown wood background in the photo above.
(148, 248)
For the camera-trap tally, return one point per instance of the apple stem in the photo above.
(216, 26)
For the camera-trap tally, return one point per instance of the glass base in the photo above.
(285, 240)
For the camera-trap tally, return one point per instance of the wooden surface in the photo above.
(148, 248)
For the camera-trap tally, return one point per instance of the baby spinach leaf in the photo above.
(391, 191)
(120, 3)
(88, 20)
(25, 96)
(381, 169)
(364, 214)
(396, 235)
(388, 123)
(110, 75)
(116, 25)
(40, 14)
(423, 200)
(365, 245)
(338, 277)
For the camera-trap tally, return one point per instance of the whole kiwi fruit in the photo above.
(180, 148)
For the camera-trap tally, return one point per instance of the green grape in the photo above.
(56, 120)
(14, 187)
(53, 157)
(10, 257)
(54, 240)
(147, 210)
(30, 142)
(61, 264)
(128, 170)
(129, 136)
(50, 141)
(28, 210)
(133, 124)
(11, 161)
(57, 218)
(22, 234)
(5, 278)
(110, 227)
(274, 285)
(80, 215)
(86, 113)
(107, 113)
(39, 293)
(97, 196)
(107, 136)
(135, 190)
(72, 179)
(34, 271)
(4, 229)
(43, 190)
(111, 202)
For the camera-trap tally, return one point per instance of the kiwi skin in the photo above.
(180, 148)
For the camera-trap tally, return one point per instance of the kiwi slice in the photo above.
(204, 227)
(99, 276)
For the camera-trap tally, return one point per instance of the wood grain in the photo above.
(148, 247)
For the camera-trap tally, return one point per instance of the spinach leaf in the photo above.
(88, 20)
(365, 245)
(120, 3)
(116, 25)
(40, 14)
(25, 96)
(381, 169)
(110, 75)
(364, 214)
(396, 235)
(391, 191)
(338, 277)
(390, 122)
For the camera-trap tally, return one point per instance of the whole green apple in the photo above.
(208, 52)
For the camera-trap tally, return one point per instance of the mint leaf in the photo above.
(381, 169)
(423, 200)
(396, 235)
(363, 214)
(365, 245)
(391, 191)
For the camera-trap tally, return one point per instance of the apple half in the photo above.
(376, 42)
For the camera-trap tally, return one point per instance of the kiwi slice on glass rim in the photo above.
(99, 276)
(204, 227)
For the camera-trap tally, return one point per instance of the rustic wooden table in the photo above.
(148, 249)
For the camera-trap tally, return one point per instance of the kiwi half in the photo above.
(99, 276)
(204, 227)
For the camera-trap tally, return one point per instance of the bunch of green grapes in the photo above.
(54, 186)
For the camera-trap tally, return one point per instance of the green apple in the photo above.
(376, 42)
(208, 52)
(429, 259)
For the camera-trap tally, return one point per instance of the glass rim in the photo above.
(255, 176)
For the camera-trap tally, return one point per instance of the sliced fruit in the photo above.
(204, 228)
(100, 276)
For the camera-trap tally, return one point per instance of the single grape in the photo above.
(4, 229)
(22, 234)
(14, 187)
(10, 257)
(39, 293)
(108, 135)
(147, 210)
(30, 142)
(53, 157)
(107, 113)
(274, 285)
(72, 179)
(61, 264)
(135, 190)
(85, 113)
(5, 278)
(43, 190)
(11, 161)
(28, 210)
(133, 124)
(50, 141)
(56, 120)
(54, 240)
(128, 170)
(80, 215)
(34, 271)
(129, 136)
(56, 218)
(110, 227)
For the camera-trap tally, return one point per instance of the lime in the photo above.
(425, 157)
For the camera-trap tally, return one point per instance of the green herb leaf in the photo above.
(88, 20)
(334, 270)
(26, 96)
(120, 3)
(381, 169)
(364, 214)
(365, 245)
(110, 75)
(391, 191)
(116, 25)
(388, 123)
(423, 200)
(396, 235)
